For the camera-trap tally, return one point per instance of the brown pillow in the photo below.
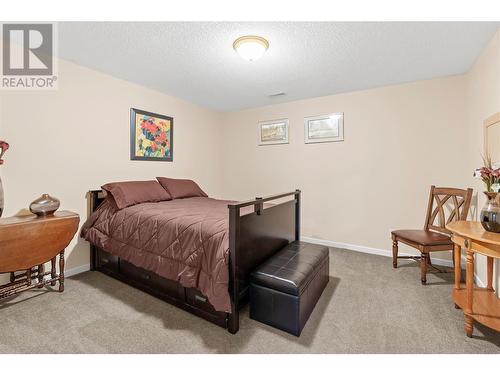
(128, 193)
(178, 188)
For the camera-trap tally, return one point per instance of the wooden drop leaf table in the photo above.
(27, 243)
(479, 304)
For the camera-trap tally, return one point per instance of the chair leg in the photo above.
(423, 268)
(394, 254)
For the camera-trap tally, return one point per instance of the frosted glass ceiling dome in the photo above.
(251, 47)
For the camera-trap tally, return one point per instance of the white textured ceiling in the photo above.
(195, 60)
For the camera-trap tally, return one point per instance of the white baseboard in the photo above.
(76, 270)
(369, 250)
(479, 282)
(385, 253)
(362, 249)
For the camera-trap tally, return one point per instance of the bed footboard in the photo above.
(255, 237)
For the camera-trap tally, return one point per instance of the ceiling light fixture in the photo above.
(251, 47)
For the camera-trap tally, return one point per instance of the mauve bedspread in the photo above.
(186, 240)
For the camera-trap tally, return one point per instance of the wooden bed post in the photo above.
(297, 215)
(92, 204)
(233, 324)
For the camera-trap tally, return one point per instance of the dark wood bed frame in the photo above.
(253, 238)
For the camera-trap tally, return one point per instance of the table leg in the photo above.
(489, 274)
(457, 259)
(28, 276)
(61, 271)
(53, 271)
(12, 277)
(457, 254)
(41, 270)
(469, 283)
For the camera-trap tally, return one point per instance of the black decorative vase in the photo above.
(490, 214)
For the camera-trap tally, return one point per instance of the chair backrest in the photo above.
(446, 205)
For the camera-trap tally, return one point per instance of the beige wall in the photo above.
(68, 141)
(483, 100)
(398, 141)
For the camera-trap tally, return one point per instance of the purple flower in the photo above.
(485, 172)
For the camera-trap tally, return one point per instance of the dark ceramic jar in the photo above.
(490, 214)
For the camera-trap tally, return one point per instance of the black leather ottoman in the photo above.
(285, 288)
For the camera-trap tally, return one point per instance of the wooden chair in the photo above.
(434, 237)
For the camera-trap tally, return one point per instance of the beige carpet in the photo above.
(368, 307)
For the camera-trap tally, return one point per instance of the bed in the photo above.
(195, 253)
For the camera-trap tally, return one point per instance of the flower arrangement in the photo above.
(4, 146)
(489, 175)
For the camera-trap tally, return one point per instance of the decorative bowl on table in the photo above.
(45, 205)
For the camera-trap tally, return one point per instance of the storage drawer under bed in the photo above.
(151, 279)
(168, 290)
(108, 261)
(195, 298)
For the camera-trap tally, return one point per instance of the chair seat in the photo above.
(423, 237)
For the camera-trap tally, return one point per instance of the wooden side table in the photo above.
(27, 243)
(479, 304)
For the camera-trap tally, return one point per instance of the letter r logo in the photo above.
(27, 49)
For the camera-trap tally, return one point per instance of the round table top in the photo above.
(473, 230)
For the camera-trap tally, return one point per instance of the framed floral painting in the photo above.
(151, 136)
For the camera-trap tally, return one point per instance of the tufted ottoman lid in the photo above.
(290, 270)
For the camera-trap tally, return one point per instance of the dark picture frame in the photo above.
(159, 143)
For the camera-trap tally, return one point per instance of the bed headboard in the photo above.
(94, 199)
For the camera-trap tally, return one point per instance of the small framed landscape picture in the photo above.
(325, 128)
(151, 136)
(273, 132)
